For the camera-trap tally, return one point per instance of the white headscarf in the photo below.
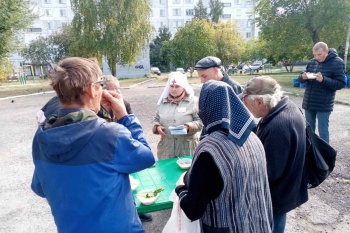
(181, 80)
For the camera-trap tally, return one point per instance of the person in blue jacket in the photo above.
(82, 163)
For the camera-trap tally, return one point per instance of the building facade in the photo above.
(53, 14)
(176, 13)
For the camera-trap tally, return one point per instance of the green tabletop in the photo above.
(164, 175)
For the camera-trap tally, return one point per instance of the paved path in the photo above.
(22, 211)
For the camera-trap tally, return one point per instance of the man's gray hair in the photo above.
(320, 45)
(268, 99)
(110, 79)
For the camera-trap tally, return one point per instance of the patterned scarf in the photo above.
(220, 108)
(82, 115)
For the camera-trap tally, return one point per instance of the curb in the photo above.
(19, 96)
(136, 84)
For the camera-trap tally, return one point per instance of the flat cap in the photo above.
(208, 62)
(260, 85)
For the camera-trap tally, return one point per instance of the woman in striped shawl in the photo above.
(226, 186)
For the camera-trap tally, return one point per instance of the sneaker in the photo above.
(145, 217)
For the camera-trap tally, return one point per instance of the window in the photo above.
(63, 13)
(226, 16)
(162, 13)
(238, 2)
(176, 24)
(48, 12)
(226, 4)
(188, 1)
(47, 1)
(162, 2)
(176, 1)
(248, 34)
(161, 24)
(49, 25)
(62, 1)
(177, 12)
(238, 12)
(249, 24)
(189, 12)
(249, 2)
(34, 30)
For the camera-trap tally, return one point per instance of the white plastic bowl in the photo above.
(141, 195)
(184, 163)
(133, 183)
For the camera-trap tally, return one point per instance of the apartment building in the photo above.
(53, 14)
(176, 13)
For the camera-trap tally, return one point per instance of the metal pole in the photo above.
(347, 44)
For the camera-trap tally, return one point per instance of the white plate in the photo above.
(133, 183)
(311, 75)
(141, 195)
(184, 163)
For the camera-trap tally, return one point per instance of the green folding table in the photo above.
(163, 175)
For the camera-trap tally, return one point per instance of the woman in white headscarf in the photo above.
(177, 106)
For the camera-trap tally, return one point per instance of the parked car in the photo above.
(180, 70)
(257, 65)
(155, 70)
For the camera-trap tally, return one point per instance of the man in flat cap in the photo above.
(208, 68)
(281, 130)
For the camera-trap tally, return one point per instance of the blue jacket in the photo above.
(83, 168)
(319, 96)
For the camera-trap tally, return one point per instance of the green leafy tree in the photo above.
(229, 43)
(192, 42)
(216, 10)
(200, 12)
(15, 15)
(119, 30)
(291, 27)
(155, 57)
(49, 50)
(38, 52)
(59, 44)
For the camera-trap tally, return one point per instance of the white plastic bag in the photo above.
(179, 223)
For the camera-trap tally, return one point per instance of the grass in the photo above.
(284, 79)
(14, 88)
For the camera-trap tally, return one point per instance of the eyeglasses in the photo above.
(101, 82)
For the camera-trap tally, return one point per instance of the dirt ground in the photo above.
(328, 208)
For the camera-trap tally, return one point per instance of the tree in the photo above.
(49, 50)
(192, 42)
(200, 12)
(229, 43)
(111, 28)
(15, 15)
(155, 57)
(290, 28)
(216, 10)
(38, 51)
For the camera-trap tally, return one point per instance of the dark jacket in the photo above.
(319, 96)
(237, 88)
(282, 132)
